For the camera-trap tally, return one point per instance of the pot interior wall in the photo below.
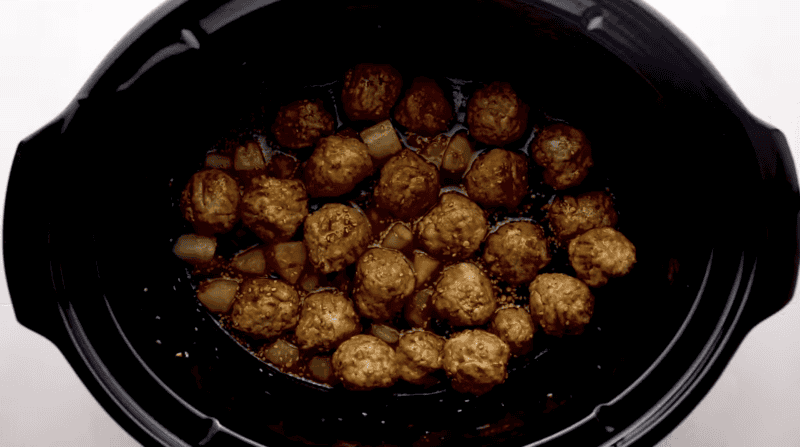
(149, 137)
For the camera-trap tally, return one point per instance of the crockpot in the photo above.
(706, 192)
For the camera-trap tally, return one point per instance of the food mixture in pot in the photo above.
(405, 243)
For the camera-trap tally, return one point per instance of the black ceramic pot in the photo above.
(705, 191)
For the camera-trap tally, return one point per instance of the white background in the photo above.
(49, 48)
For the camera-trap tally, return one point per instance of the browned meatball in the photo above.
(570, 216)
(336, 166)
(274, 208)
(210, 201)
(496, 115)
(424, 109)
(327, 318)
(498, 178)
(370, 91)
(302, 123)
(384, 279)
(365, 362)
(408, 187)
(335, 236)
(454, 228)
(600, 254)
(514, 326)
(516, 252)
(476, 361)
(419, 354)
(265, 307)
(560, 304)
(565, 154)
(463, 296)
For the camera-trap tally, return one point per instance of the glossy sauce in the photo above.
(285, 164)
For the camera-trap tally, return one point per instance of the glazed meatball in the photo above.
(408, 187)
(327, 318)
(600, 254)
(210, 202)
(419, 354)
(498, 178)
(302, 123)
(365, 362)
(370, 91)
(463, 296)
(570, 216)
(560, 304)
(384, 279)
(514, 326)
(274, 208)
(564, 153)
(495, 115)
(265, 307)
(516, 252)
(424, 109)
(476, 361)
(336, 166)
(335, 236)
(454, 228)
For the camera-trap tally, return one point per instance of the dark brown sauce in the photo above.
(241, 239)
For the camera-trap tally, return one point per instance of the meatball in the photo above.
(384, 279)
(463, 296)
(498, 178)
(408, 187)
(370, 91)
(454, 228)
(335, 236)
(476, 361)
(424, 108)
(265, 307)
(495, 115)
(273, 208)
(570, 216)
(327, 318)
(514, 326)
(419, 354)
(560, 304)
(336, 166)
(365, 362)
(516, 252)
(210, 202)
(600, 254)
(564, 153)
(301, 124)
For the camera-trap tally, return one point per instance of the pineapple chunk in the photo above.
(386, 333)
(195, 249)
(399, 237)
(249, 158)
(283, 353)
(252, 261)
(218, 294)
(289, 259)
(434, 150)
(418, 310)
(218, 161)
(321, 368)
(381, 140)
(424, 267)
(458, 154)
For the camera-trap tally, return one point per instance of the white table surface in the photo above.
(49, 48)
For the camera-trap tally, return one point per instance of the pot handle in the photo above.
(778, 255)
(33, 281)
